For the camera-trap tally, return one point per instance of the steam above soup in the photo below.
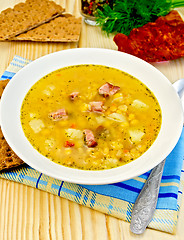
(90, 117)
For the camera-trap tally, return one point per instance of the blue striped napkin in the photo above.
(114, 199)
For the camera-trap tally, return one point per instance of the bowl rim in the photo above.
(171, 110)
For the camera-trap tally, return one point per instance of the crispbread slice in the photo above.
(8, 159)
(65, 28)
(25, 16)
(3, 84)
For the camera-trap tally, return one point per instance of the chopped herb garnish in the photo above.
(126, 15)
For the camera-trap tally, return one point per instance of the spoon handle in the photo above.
(146, 202)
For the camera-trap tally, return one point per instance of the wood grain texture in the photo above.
(30, 214)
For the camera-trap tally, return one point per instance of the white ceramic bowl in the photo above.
(172, 117)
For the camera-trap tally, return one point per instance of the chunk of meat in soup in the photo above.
(60, 114)
(89, 138)
(108, 89)
(96, 106)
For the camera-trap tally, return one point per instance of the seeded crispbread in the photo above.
(8, 159)
(65, 28)
(25, 16)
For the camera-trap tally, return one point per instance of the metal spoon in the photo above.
(146, 202)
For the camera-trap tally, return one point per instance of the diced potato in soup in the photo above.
(139, 104)
(36, 125)
(136, 135)
(90, 117)
(117, 117)
(73, 133)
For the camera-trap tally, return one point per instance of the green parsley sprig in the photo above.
(128, 14)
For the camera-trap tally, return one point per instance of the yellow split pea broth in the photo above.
(123, 125)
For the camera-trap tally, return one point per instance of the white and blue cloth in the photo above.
(114, 199)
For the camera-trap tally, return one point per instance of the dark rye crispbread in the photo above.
(8, 159)
(65, 28)
(3, 84)
(25, 16)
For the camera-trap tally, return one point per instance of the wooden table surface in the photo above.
(27, 213)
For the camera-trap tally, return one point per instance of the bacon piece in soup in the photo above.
(89, 138)
(73, 95)
(60, 114)
(96, 106)
(108, 89)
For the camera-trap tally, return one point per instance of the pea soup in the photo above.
(90, 117)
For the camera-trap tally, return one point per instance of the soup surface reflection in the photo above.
(90, 117)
